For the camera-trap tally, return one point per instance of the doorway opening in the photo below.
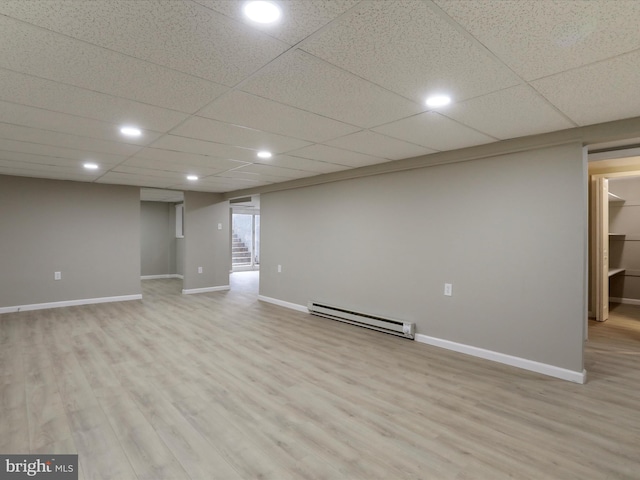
(245, 245)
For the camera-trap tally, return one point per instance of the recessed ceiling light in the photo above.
(261, 11)
(90, 166)
(131, 131)
(438, 101)
(192, 177)
(264, 154)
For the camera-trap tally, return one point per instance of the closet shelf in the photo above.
(615, 271)
(615, 198)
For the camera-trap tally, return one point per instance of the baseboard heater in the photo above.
(374, 322)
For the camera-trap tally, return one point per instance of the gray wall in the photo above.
(89, 232)
(624, 250)
(204, 245)
(157, 237)
(507, 231)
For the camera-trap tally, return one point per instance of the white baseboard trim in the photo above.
(69, 303)
(191, 291)
(544, 368)
(627, 301)
(155, 277)
(282, 303)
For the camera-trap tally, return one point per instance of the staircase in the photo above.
(240, 254)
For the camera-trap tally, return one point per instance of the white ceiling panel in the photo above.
(594, 93)
(434, 131)
(181, 35)
(378, 145)
(60, 97)
(51, 172)
(30, 158)
(306, 82)
(200, 147)
(50, 151)
(210, 89)
(179, 158)
(28, 49)
(120, 178)
(228, 134)
(241, 108)
(301, 17)
(543, 37)
(421, 52)
(509, 113)
(275, 172)
(61, 122)
(85, 175)
(299, 163)
(172, 166)
(45, 137)
(325, 153)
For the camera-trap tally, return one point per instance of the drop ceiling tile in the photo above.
(299, 163)
(45, 137)
(596, 93)
(148, 157)
(39, 52)
(49, 151)
(250, 179)
(214, 131)
(55, 173)
(306, 82)
(435, 131)
(408, 48)
(172, 166)
(120, 178)
(251, 111)
(60, 97)
(300, 18)
(275, 172)
(147, 172)
(378, 145)
(26, 116)
(184, 36)
(29, 158)
(325, 153)
(40, 169)
(544, 37)
(200, 147)
(510, 113)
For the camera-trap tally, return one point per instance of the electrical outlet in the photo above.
(199, 269)
(219, 226)
(57, 275)
(279, 268)
(448, 289)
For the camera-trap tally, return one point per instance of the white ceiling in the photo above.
(337, 84)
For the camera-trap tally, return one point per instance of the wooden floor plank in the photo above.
(222, 386)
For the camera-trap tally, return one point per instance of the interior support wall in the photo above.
(508, 231)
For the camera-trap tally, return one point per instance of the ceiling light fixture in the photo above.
(264, 154)
(192, 177)
(436, 101)
(131, 131)
(261, 11)
(90, 166)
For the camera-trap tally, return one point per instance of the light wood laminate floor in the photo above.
(221, 386)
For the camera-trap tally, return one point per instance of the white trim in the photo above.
(166, 275)
(544, 368)
(69, 303)
(282, 303)
(627, 301)
(191, 291)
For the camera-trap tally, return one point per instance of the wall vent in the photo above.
(374, 322)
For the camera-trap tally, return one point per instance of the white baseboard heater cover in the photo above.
(395, 327)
